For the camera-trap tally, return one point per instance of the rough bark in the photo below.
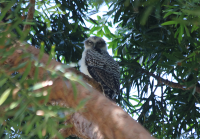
(100, 118)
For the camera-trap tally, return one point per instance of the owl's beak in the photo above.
(95, 45)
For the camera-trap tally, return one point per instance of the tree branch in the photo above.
(169, 83)
(53, 64)
(99, 118)
(30, 14)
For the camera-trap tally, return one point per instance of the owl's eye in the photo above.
(90, 42)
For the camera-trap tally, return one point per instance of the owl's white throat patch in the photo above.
(82, 64)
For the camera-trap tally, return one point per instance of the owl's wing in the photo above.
(102, 67)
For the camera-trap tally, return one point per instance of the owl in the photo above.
(99, 65)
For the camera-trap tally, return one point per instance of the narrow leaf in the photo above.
(4, 96)
(106, 29)
(169, 23)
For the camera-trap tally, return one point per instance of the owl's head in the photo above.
(95, 42)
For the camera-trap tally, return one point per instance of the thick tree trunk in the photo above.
(99, 118)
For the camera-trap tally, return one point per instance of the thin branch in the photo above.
(169, 83)
(30, 14)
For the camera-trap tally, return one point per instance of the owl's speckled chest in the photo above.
(101, 59)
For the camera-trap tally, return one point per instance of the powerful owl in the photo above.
(99, 65)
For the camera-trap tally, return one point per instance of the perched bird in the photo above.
(99, 65)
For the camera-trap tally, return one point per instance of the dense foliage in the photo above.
(154, 40)
(165, 35)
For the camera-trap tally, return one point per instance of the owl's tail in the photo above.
(109, 93)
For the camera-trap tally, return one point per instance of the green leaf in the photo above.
(94, 29)
(109, 24)
(167, 14)
(53, 7)
(100, 33)
(93, 21)
(176, 33)
(74, 88)
(13, 105)
(106, 29)
(192, 12)
(4, 96)
(3, 81)
(194, 28)
(28, 127)
(98, 17)
(169, 23)
(190, 95)
(5, 10)
(187, 31)
(194, 90)
(82, 103)
(26, 72)
(171, 57)
(146, 15)
(20, 111)
(180, 33)
(19, 66)
(116, 18)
